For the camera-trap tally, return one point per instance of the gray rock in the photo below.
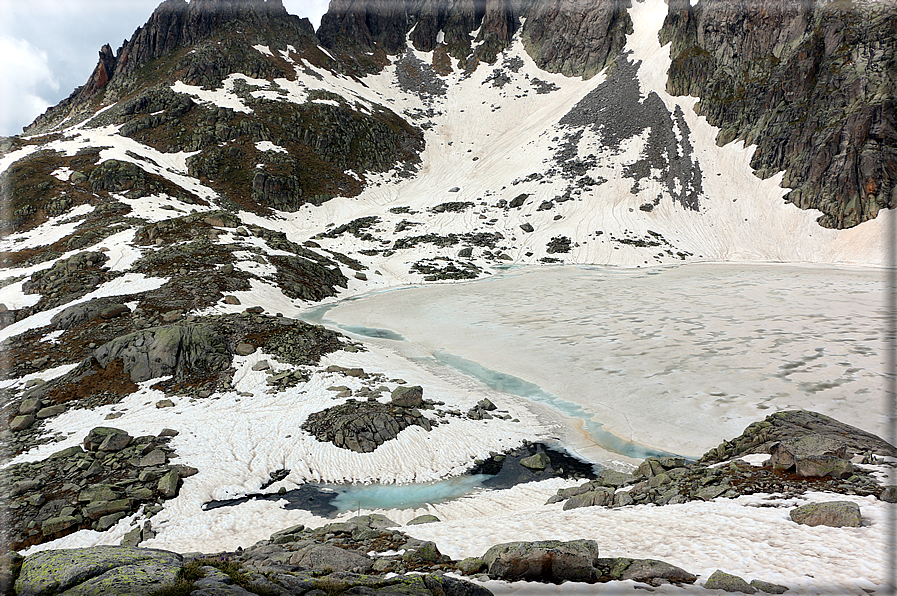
(168, 350)
(649, 571)
(538, 461)
(471, 565)
(889, 494)
(156, 457)
(21, 422)
(50, 411)
(768, 587)
(608, 477)
(834, 513)
(168, 484)
(423, 519)
(244, 349)
(30, 406)
(600, 497)
(408, 397)
(97, 570)
(324, 556)
(809, 455)
(544, 561)
(100, 434)
(720, 580)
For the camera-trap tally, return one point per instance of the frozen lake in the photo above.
(673, 359)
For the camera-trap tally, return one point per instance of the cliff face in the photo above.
(810, 83)
(573, 37)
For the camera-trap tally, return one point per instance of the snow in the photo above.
(55, 228)
(269, 146)
(129, 283)
(159, 207)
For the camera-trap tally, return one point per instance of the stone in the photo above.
(114, 310)
(836, 514)
(98, 435)
(50, 411)
(471, 565)
(107, 521)
(115, 442)
(527, 227)
(132, 538)
(156, 457)
(408, 397)
(608, 477)
(768, 587)
(261, 365)
(30, 406)
(592, 498)
(649, 571)
(720, 580)
(889, 494)
(423, 519)
(164, 403)
(538, 461)
(817, 448)
(58, 524)
(543, 561)
(168, 484)
(244, 349)
(122, 571)
(21, 422)
(97, 509)
(325, 556)
(231, 300)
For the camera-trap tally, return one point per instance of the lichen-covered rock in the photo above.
(408, 397)
(720, 580)
(116, 570)
(836, 514)
(363, 426)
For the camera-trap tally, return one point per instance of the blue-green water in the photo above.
(516, 386)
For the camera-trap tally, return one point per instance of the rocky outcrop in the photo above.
(112, 477)
(98, 570)
(811, 442)
(170, 350)
(577, 38)
(574, 38)
(363, 426)
(810, 83)
(760, 436)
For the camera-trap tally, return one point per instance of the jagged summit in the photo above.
(572, 37)
(177, 25)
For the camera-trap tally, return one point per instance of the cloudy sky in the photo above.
(49, 47)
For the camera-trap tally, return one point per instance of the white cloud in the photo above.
(25, 75)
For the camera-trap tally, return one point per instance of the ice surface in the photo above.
(673, 358)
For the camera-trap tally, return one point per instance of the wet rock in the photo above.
(836, 514)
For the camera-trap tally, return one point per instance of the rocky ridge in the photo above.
(810, 83)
